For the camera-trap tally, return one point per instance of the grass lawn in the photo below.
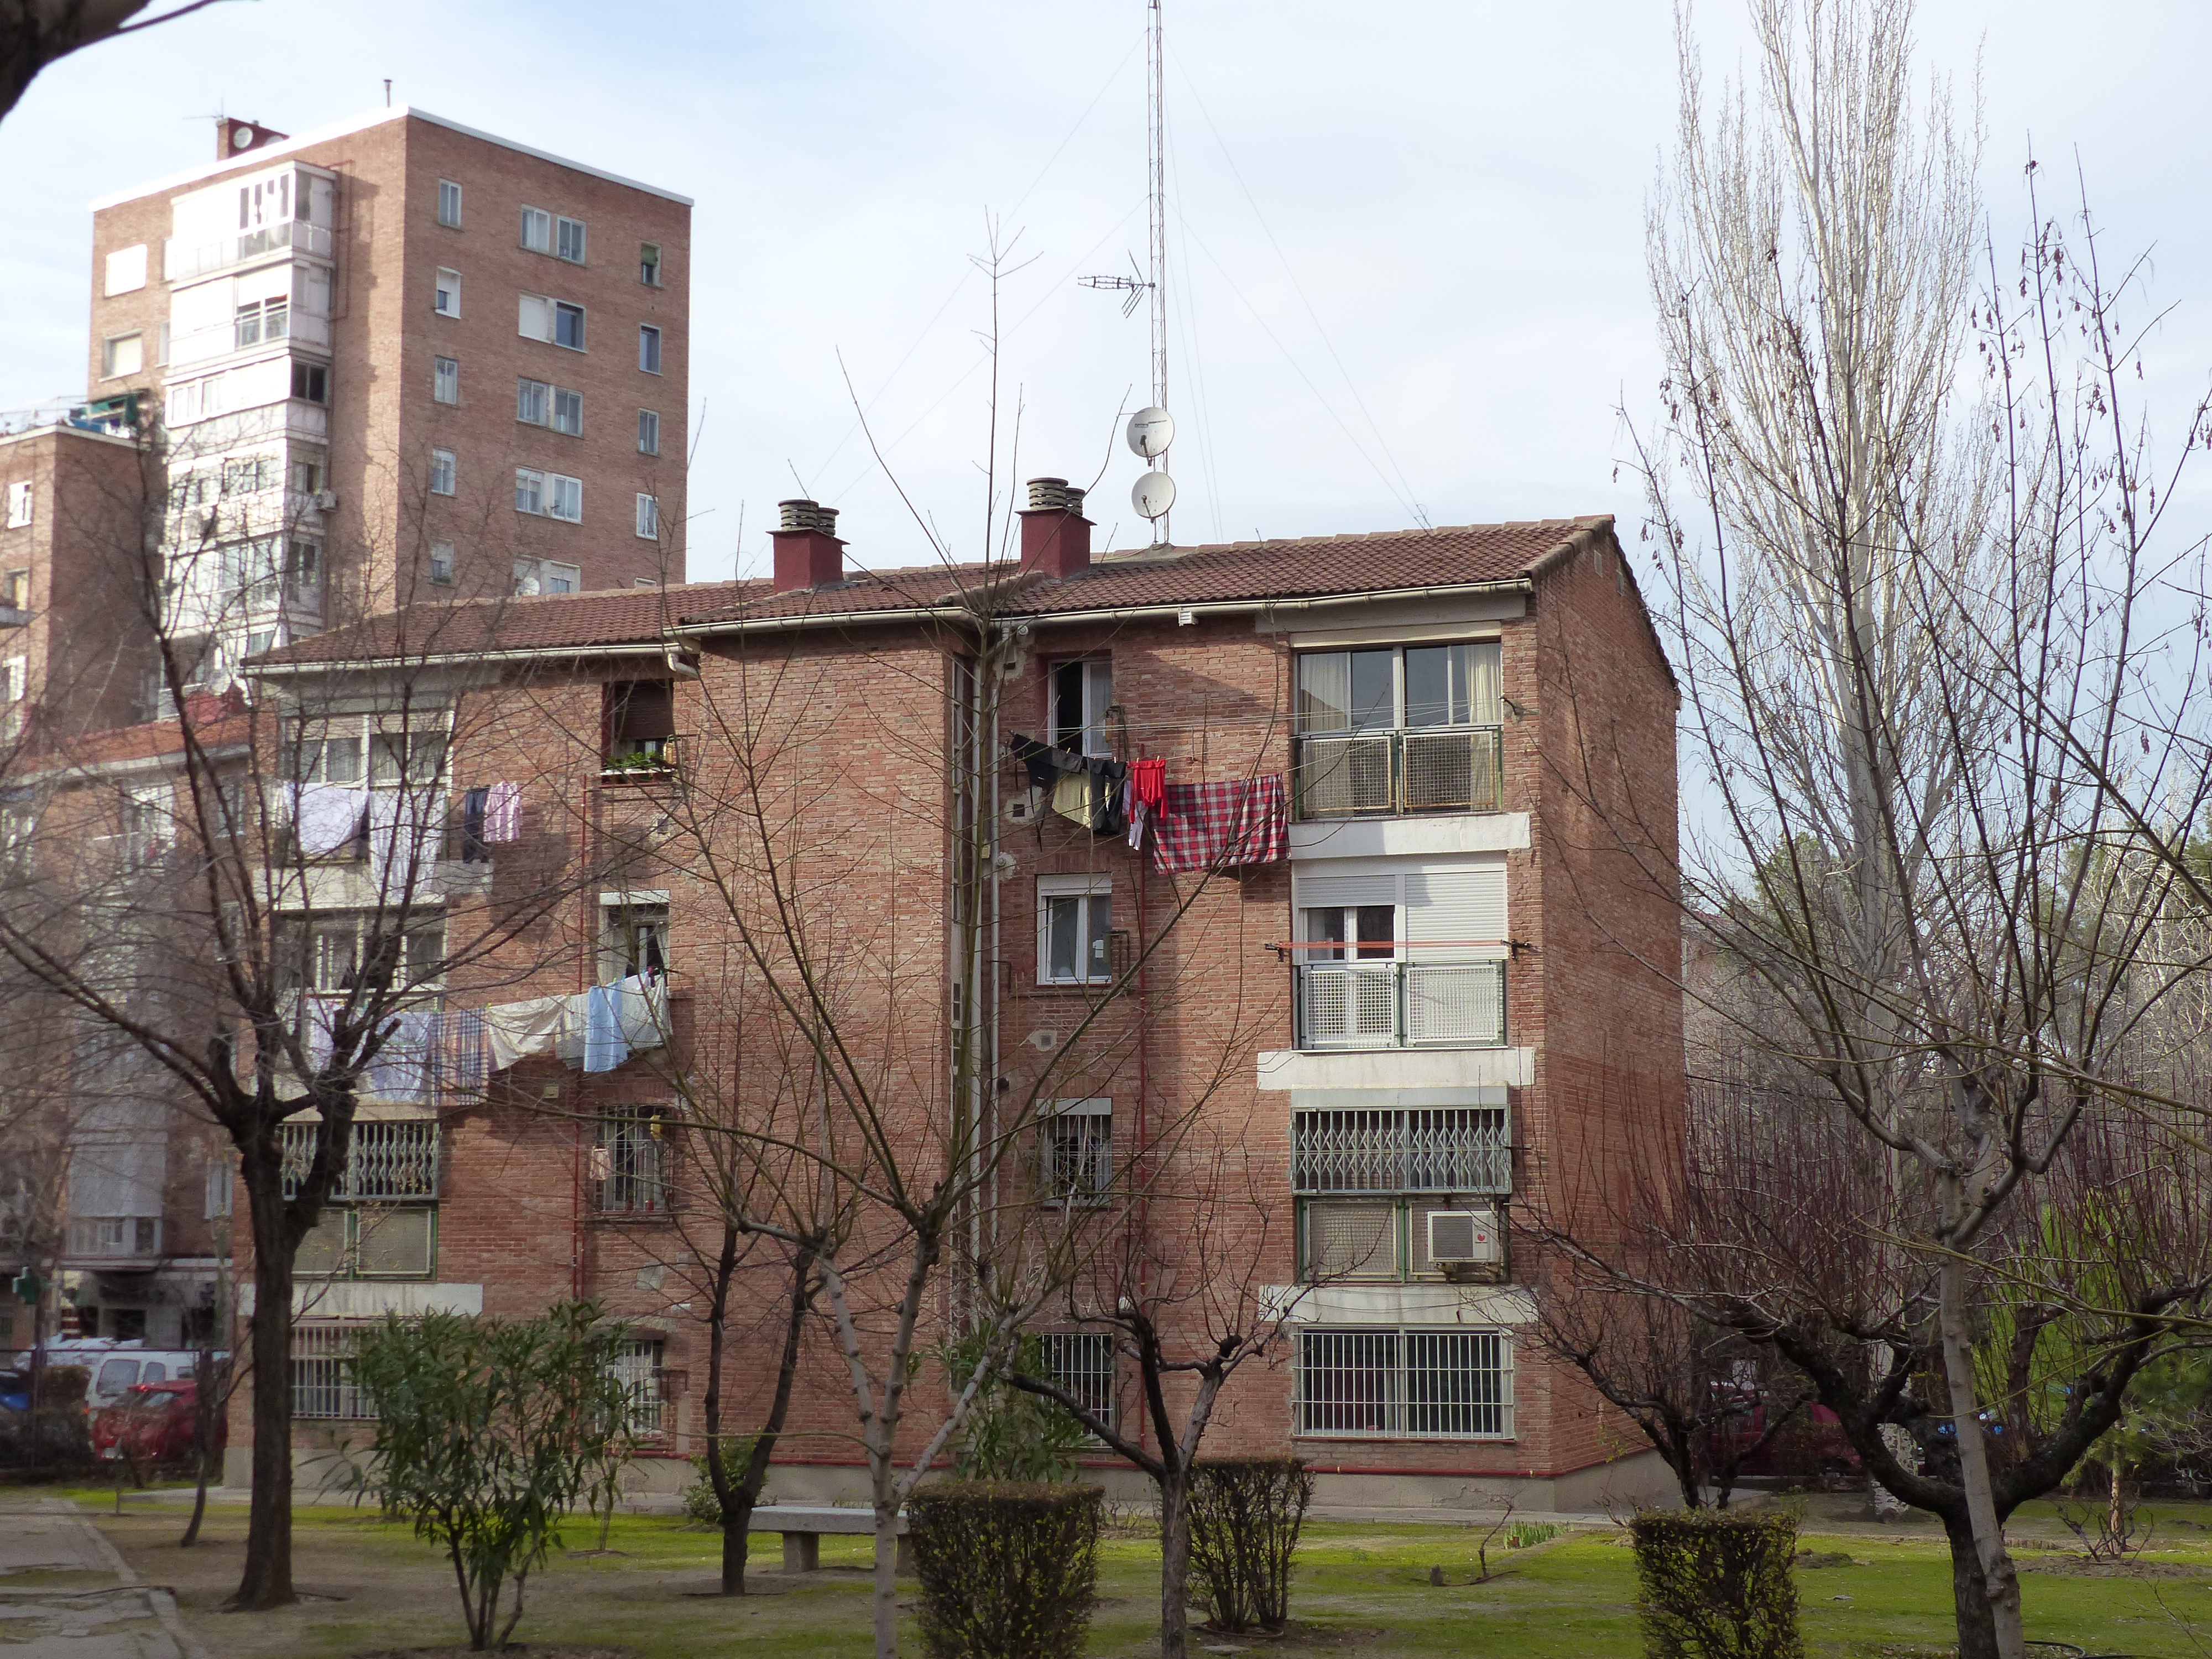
(1361, 1587)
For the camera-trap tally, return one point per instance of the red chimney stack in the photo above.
(808, 554)
(1055, 536)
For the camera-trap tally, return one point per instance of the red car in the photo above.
(153, 1423)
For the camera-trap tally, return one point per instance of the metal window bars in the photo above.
(1406, 1384)
(1078, 1157)
(638, 1368)
(388, 1161)
(1400, 1005)
(323, 1382)
(1427, 770)
(1082, 1362)
(631, 1166)
(1415, 1149)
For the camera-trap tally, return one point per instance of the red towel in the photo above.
(1148, 781)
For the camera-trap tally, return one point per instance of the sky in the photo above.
(1406, 279)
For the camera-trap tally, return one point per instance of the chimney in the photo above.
(237, 137)
(807, 552)
(1055, 536)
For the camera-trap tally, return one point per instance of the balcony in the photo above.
(185, 264)
(1400, 1005)
(388, 1162)
(1383, 773)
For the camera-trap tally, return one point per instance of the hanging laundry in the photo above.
(1108, 788)
(327, 817)
(460, 1049)
(405, 829)
(515, 1030)
(1148, 780)
(1219, 826)
(1047, 765)
(503, 814)
(474, 849)
(1137, 811)
(568, 1035)
(641, 1011)
(603, 1047)
(1071, 798)
(400, 1069)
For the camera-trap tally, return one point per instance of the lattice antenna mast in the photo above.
(1151, 430)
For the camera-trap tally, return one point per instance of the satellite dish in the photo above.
(241, 138)
(1153, 495)
(1151, 432)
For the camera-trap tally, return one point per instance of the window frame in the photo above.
(648, 432)
(109, 346)
(441, 563)
(648, 346)
(533, 395)
(532, 481)
(542, 221)
(445, 296)
(1096, 695)
(649, 266)
(561, 226)
(311, 384)
(449, 193)
(1390, 1396)
(564, 312)
(445, 378)
(445, 465)
(22, 503)
(575, 402)
(564, 488)
(648, 516)
(1079, 896)
(1075, 1148)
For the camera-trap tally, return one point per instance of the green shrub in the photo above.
(1713, 1586)
(1245, 1514)
(1011, 1435)
(1527, 1535)
(700, 1503)
(1008, 1570)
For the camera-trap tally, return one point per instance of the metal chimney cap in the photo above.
(800, 513)
(1054, 496)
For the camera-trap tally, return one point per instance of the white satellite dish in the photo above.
(1151, 432)
(1154, 495)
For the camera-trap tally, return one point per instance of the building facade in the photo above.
(1427, 984)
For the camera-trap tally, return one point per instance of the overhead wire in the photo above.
(1404, 489)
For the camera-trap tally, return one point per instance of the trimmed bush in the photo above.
(1715, 1586)
(1245, 1516)
(1007, 1571)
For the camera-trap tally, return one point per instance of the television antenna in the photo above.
(1155, 492)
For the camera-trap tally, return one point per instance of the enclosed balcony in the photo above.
(1399, 730)
(1400, 1005)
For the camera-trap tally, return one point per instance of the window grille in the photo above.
(1082, 1362)
(637, 1368)
(385, 1162)
(1078, 1151)
(323, 1382)
(1420, 1148)
(631, 1164)
(1406, 1384)
(1355, 1238)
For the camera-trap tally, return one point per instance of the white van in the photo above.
(114, 1366)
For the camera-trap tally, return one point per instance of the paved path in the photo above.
(65, 1593)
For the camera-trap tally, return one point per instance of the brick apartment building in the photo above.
(1430, 989)
(394, 362)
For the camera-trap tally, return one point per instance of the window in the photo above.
(372, 1242)
(638, 1368)
(322, 1383)
(534, 318)
(640, 718)
(304, 477)
(1080, 693)
(648, 516)
(1368, 1180)
(126, 269)
(568, 325)
(1075, 924)
(566, 498)
(148, 821)
(568, 239)
(303, 573)
(630, 1165)
(1076, 1147)
(648, 264)
(447, 297)
(441, 472)
(441, 562)
(15, 591)
(536, 230)
(1447, 1384)
(331, 760)
(392, 1161)
(122, 354)
(648, 349)
(415, 756)
(633, 936)
(569, 411)
(648, 432)
(263, 319)
(214, 1195)
(446, 379)
(1400, 954)
(311, 382)
(20, 497)
(449, 204)
(531, 400)
(529, 491)
(1399, 729)
(546, 576)
(1082, 1362)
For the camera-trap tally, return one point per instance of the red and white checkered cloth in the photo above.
(1216, 826)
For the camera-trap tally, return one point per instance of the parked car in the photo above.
(1811, 1446)
(153, 1423)
(117, 1366)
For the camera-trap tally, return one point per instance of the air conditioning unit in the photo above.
(325, 500)
(1463, 1238)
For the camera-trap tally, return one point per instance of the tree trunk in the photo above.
(267, 1582)
(886, 1596)
(2116, 1522)
(1175, 1563)
(2000, 1582)
(1970, 1594)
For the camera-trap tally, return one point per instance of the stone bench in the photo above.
(804, 1524)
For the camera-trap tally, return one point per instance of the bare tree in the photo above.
(35, 33)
